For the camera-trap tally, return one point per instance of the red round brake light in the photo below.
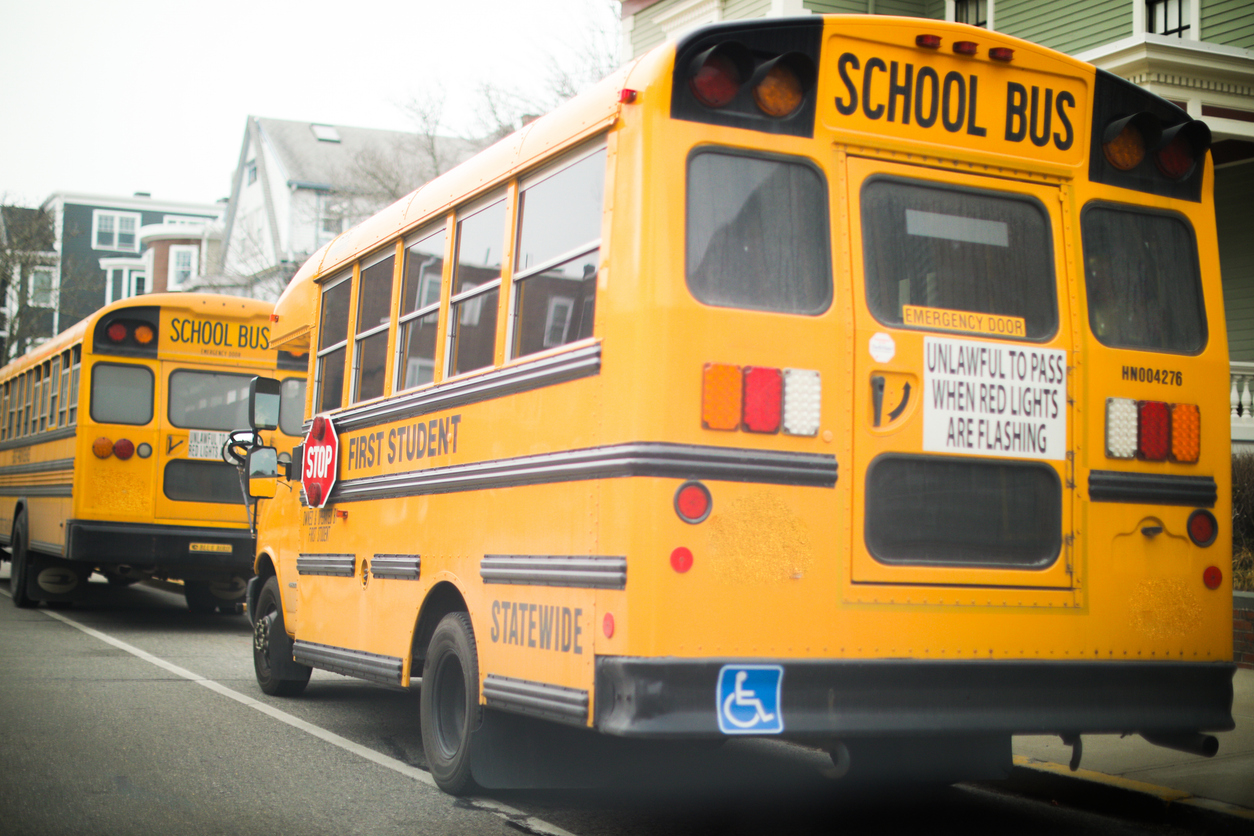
(1175, 160)
(123, 448)
(1203, 529)
(716, 80)
(692, 502)
(116, 332)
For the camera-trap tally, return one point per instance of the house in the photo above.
(103, 248)
(27, 278)
(1196, 53)
(300, 184)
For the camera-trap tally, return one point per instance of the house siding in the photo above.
(836, 7)
(907, 8)
(645, 33)
(1228, 22)
(1233, 188)
(1083, 26)
(744, 9)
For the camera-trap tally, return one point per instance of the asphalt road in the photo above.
(126, 714)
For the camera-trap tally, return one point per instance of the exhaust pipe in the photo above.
(1194, 743)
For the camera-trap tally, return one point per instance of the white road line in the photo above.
(514, 817)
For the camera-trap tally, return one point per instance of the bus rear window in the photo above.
(1144, 289)
(121, 394)
(757, 234)
(960, 250)
(208, 400)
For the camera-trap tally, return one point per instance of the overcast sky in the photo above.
(151, 95)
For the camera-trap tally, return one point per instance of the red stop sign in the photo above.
(322, 461)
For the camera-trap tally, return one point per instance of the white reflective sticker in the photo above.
(882, 347)
(205, 444)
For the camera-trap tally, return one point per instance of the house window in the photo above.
(325, 133)
(332, 226)
(115, 231)
(250, 171)
(125, 282)
(974, 12)
(41, 286)
(183, 265)
(1167, 17)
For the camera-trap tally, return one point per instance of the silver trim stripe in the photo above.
(679, 461)
(405, 567)
(372, 666)
(37, 490)
(536, 699)
(335, 565)
(37, 467)
(549, 371)
(599, 572)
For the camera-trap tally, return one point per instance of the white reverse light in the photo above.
(802, 391)
(1121, 418)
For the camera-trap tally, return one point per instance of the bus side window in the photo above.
(420, 308)
(559, 235)
(476, 288)
(54, 390)
(332, 343)
(76, 363)
(374, 304)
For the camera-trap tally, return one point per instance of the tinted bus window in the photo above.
(292, 406)
(1144, 289)
(121, 394)
(957, 249)
(208, 401)
(757, 234)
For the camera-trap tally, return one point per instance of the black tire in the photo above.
(449, 703)
(200, 599)
(277, 674)
(18, 574)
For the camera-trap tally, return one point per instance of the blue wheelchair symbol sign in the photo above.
(748, 699)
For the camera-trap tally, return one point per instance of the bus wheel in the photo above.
(277, 673)
(449, 703)
(199, 599)
(20, 570)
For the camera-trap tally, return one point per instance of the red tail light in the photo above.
(717, 75)
(117, 332)
(1002, 53)
(1153, 438)
(1181, 147)
(928, 41)
(692, 502)
(123, 448)
(966, 47)
(1203, 529)
(763, 399)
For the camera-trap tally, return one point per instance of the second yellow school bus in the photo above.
(853, 380)
(126, 477)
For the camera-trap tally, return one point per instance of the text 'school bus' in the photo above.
(125, 477)
(854, 380)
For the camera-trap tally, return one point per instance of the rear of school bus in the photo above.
(164, 379)
(939, 361)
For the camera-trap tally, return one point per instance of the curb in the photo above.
(1134, 799)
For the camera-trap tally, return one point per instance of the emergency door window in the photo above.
(476, 288)
(931, 250)
(332, 343)
(555, 269)
(121, 394)
(420, 308)
(374, 307)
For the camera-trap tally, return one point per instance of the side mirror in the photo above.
(263, 403)
(262, 467)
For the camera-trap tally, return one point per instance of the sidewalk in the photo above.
(1222, 785)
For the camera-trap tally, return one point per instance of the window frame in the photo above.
(501, 194)
(115, 216)
(519, 277)
(169, 399)
(403, 321)
(359, 337)
(51, 273)
(322, 353)
(173, 283)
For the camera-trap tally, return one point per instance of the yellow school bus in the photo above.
(858, 381)
(126, 477)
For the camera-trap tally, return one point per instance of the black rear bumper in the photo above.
(826, 699)
(179, 551)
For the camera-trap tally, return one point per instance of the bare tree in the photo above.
(27, 264)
